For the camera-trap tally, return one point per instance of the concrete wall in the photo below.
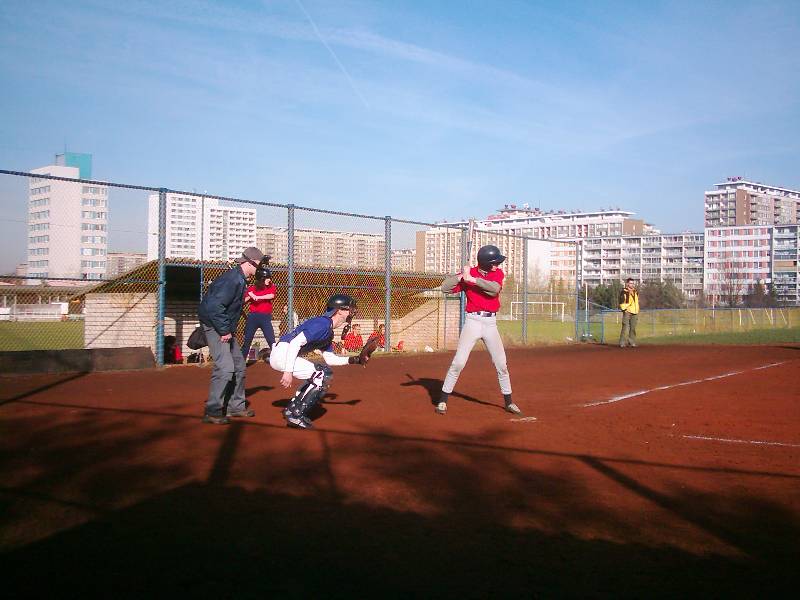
(120, 320)
(430, 325)
(124, 320)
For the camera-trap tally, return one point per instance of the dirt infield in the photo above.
(111, 485)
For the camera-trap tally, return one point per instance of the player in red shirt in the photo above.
(259, 297)
(353, 342)
(379, 333)
(482, 285)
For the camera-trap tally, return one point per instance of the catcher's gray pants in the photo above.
(227, 378)
(627, 337)
(477, 328)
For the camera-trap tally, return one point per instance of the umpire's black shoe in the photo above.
(214, 420)
(247, 412)
(299, 422)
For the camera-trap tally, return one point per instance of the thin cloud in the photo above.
(333, 54)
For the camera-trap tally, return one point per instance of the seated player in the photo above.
(314, 334)
(379, 334)
(352, 341)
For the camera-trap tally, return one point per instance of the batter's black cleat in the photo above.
(299, 422)
(513, 409)
(441, 408)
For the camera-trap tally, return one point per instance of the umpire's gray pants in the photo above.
(476, 328)
(226, 392)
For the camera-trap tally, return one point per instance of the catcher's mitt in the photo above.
(363, 356)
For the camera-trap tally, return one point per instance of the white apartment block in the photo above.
(736, 258)
(118, 263)
(67, 225)
(677, 258)
(785, 261)
(404, 260)
(741, 202)
(324, 248)
(443, 242)
(199, 228)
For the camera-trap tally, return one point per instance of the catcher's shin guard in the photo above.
(292, 409)
(310, 392)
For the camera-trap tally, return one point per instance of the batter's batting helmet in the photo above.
(338, 301)
(263, 273)
(488, 256)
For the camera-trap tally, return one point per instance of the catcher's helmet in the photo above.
(338, 301)
(488, 256)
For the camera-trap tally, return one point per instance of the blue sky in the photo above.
(424, 110)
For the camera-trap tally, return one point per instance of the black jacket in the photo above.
(221, 307)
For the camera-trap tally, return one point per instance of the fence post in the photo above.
(162, 275)
(444, 310)
(578, 263)
(462, 297)
(290, 324)
(387, 265)
(525, 291)
(602, 326)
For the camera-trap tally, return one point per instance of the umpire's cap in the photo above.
(252, 255)
(488, 256)
(338, 301)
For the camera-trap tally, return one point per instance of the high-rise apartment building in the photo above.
(736, 258)
(324, 248)
(443, 243)
(677, 258)
(404, 260)
(67, 222)
(122, 262)
(200, 228)
(785, 261)
(741, 202)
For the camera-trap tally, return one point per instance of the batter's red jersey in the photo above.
(477, 299)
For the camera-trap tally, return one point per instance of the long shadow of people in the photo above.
(258, 388)
(434, 389)
(489, 555)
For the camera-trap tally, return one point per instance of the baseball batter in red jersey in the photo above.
(482, 285)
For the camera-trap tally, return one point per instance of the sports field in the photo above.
(664, 471)
(41, 335)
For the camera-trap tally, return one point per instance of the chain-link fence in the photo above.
(603, 325)
(89, 264)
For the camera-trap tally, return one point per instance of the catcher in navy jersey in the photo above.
(315, 334)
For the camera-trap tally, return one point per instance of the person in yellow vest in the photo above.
(629, 305)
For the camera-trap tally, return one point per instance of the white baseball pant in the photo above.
(477, 328)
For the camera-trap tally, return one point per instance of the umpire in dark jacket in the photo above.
(219, 314)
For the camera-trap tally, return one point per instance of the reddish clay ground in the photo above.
(111, 485)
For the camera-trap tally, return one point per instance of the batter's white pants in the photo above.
(477, 328)
(302, 368)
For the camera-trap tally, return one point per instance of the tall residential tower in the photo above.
(67, 222)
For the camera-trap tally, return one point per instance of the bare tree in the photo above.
(731, 286)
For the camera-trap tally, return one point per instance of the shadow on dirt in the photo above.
(215, 539)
